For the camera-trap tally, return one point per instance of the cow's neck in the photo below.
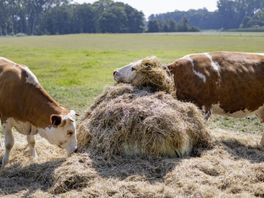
(40, 107)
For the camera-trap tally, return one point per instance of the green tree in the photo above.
(135, 20)
(113, 20)
(4, 18)
(227, 12)
(36, 8)
(154, 26)
(116, 17)
(172, 26)
(233, 13)
(57, 20)
(256, 20)
(83, 19)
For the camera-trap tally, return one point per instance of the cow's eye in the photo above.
(69, 133)
(133, 69)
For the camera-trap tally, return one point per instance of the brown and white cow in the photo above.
(228, 83)
(26, 106)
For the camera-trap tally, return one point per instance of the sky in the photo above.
(149, 7)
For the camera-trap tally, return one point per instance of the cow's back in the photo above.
(10, 87)
(22, 97)
(242, 81)
(235, 81)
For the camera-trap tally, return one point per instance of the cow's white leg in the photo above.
(31, 145)
(9, 142)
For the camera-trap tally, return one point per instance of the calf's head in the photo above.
(145, 72)
(62, 131)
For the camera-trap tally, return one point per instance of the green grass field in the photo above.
(75, 68)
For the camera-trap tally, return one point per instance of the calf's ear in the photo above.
(55, 120)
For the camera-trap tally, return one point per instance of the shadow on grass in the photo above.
(28, 179)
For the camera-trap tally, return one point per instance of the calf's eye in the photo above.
(133, 69)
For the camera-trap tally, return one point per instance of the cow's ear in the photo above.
(55, 120)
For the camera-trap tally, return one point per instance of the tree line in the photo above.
(62, 17)
(230, 14)
(36, 17)
(169, 25)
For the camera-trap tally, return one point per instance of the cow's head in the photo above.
(137, 71)
(62, 131)
(127, 74)
(147, 71)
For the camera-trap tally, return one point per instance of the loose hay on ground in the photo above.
(232, 168)
(131, 121)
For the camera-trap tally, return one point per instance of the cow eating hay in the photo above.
(226, 83)
(132, 121)
(149, 72)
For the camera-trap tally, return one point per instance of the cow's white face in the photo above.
(62, 132)
(127, 73)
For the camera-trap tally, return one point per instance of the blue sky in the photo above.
(161, 6)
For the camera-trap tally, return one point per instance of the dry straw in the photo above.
(132, 121)
(234, 167)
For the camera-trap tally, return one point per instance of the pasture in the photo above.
(74, 69)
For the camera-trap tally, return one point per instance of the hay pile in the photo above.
(234, 167)
(131, 121)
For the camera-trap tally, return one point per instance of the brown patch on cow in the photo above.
(242, 81)
(23, 101)
(238, 84)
